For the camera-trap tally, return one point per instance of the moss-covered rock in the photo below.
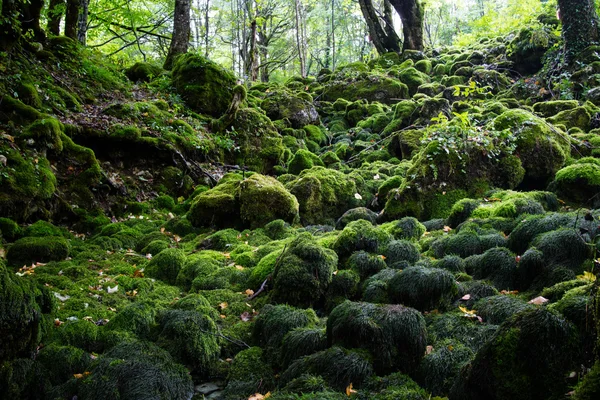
(37, 249)
(304, 159)
(394, 334)
(284, 104)
(204, 85)
(372, 87)
(324, 194)
(166, 265)
(550, 108)
(534, 349)
(527, 48)
(249, 374)
(579, 183)
(423, 288)
(143, 72)
(576, 118)
(361, 235)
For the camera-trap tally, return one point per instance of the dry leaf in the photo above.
(249, 292)
(447, 229)
(110, 290)
(349, 390)
(223, 305)
(429, 350)
(227, 255)
(239, 267)
(223, 316)
(466, 297)
(78, 376)
(162, 230)
(245, 316)
(357, 196)
(538, 301)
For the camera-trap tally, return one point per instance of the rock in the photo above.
(288, 105)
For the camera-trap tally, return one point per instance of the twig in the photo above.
(264, 284)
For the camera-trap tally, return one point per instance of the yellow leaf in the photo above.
(223, 305)
(239, 267)
(587, 276)
(78, 376)
(249, 292)
(223, 316)
(349, 390)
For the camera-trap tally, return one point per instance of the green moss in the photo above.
(37, 249)
(323, 194)
(216, 206)
(499, 308)
(423, 288)
(18, 112)
(142, 72)
(440, 368)
(393, 334)
(373, 87)
(249, 374)
(401, 253)
(589, 387)
(498, 265)
(166, 265)
(138, 318)
(9, 230)
(204, 85)
(303, 159)
(578, 117)
(365, 264)
(337, 366)
(579, 183)
(284, 104)
(413, 78)
(190, 337)
(407, 228)
(563, 247)
(424, 66)
(354, 215)
(550, 108)
(62, 362)
(361, 235)
(136, 370)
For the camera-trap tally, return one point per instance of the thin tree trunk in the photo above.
(299, 39)
(83, 21)
(55, 13)
(384, 39)
(181, 32)
(252, 64)
(206, 26)
(579, 26)
(333, 34)
(411, 14)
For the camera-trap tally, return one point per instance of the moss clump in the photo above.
(563, 247)
(579, 183)
(576, 118)
(9, 230)
(527, 358)
(62, 362)
(324, 194)
(190, 337)
(440, 368)
(413, 78)
(407, 228)
(300, 342)
(589, 387)
(393, 334)
(138, 318)
(499, 308)
(21, 321)
(304, 272)
(303, 159)
(423, 288)
(204, 85)
(365, 264)
(215, 207)
(461, 211)
(284, 104)
(142, 72)
(136, 370)
(249, 374)
(525, 232)
(550, 108)
(361, 235)
(337, 366)
(354, 215)
(498, 265)
(37, 249)
(166, 265)
(274, 322)
(401, 253)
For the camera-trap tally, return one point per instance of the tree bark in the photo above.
(30, 19)
(83, 21)
(384, 37)
(181, 32)
(72, 18)
(55, 13)
(579, 26)
(300, 39)
(411, 14)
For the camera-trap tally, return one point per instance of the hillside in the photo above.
(424, 225)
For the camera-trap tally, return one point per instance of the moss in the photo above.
(166, 265)
(461, 211)
(284, 104)
(579, 183)
(43, 228)
(190, 337)
(216, 206)
(542, 148)
(372, 87)
(323, 194)
(365, 264)
(204, 85)
(530, 227)
(440, 368)
(354, 215)
(423, 288)
(138, 318)
(498, 265)
(134, 371)
(303, 159)
(249, 374)
(407, 228)
(424, 66)
(550, 108)
(337, 366)
(9, 230)
(578, 117)
(301, 342)
(393, 334)
(563, 247)
(413, 78)
(463, 244)
(274, 322)
(534, 349)
(316, 134)
(361, 235)
(589, 387)
(37, 249)
(404, 114)
(401, 253)
(15, 110)
(499, 308)
(143, 72)
(62, 362)
(44, 134)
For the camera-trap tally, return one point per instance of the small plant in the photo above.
(470, 90)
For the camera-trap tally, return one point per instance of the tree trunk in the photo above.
(333, 34)
(579, 26)
(30, 19)
(411, 14)
(206, 26)
(181, 32)
(300, 39)
(384, 39)
(252, 62)
(72, 18)
(55, 12)
(83, 21)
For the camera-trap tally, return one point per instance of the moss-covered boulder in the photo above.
(29, 250)
(542, 148)
(166, 265)
(204, 85)
(286, 105)
(324, 194)
(579, 183)
(304, 159)
(137, 370)
(143, 72)
(527, 358)
(393, 334)
(249, 374)
(238, 202)
(423, 288)
(526, 50)
(372, 87)
(304, 272)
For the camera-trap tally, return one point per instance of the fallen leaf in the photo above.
(376, 177)
(245, 316)
(111, 290)
(223, 316)
(78, 376)
(349, 390)
(357, 196)
(447, 229)
(223, 305)
(466, 297)
(249, 292)
(538, 301)
(239, 267)
(429, 350)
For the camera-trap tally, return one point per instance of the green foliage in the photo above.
(499, 308)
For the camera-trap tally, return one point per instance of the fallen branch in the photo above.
(264, 284)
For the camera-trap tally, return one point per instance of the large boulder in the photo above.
(284, 104)
(204, 85)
